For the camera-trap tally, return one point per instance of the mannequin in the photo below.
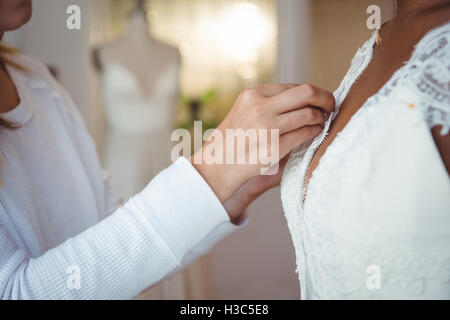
(140, 88)
(139, 78)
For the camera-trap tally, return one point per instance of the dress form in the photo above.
(140, 88)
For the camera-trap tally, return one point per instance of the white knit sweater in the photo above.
(63, 235)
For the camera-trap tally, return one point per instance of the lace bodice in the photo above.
(378, 203)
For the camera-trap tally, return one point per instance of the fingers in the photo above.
(295, 138)
(270, 90)
(302, 96)
(293, 120)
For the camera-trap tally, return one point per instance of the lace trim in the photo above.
(434, 84)
(292, 191)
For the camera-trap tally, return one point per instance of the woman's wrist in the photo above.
(220, 178)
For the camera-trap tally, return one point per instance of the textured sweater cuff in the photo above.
(191, 209)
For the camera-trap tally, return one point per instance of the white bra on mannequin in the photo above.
(140, 124)
(129, 108)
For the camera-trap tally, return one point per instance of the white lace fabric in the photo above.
(380, 196)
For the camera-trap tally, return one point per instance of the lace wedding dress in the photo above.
(375, 221)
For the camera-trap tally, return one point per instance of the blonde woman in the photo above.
(59, 219)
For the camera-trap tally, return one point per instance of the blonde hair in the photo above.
(5, 53)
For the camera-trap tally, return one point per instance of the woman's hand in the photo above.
(296, 111)
(236, 204)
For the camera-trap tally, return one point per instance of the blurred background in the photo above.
(139, 69)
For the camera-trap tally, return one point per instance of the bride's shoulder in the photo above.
(430, 76)
(433, 50)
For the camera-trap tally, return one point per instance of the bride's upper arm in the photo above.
(431, 77)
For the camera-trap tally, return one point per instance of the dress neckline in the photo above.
(367, 53)
(150, 94)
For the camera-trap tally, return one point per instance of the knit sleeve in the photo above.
(173, 220)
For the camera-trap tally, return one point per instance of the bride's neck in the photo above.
(408, 7)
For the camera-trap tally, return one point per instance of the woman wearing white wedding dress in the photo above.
(368, 201)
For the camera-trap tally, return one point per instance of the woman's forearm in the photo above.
(165, 226)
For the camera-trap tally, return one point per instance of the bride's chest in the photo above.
(377, 178)
(372, 176)
(367, 84)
